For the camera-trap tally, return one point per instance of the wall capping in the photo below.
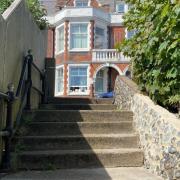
(12, 8)
(159, 129)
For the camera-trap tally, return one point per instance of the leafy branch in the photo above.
(155, 49)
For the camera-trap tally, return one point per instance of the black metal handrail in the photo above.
(37, 68)
(23, 93)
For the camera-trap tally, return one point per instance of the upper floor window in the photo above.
(120, 7)
(81, 3)
(130, 34)
(60, 43)
(99, 38)
(79, 36)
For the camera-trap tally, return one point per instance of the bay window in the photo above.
(78, 79)
(79, 36)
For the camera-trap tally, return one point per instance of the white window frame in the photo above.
(88, 38)
(56, 92)
(88, 80)
(119, 3)
(57, 51)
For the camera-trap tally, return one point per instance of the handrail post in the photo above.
(29, 79)
(9, 126)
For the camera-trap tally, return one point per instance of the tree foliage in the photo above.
(155, 49)
(36, 9)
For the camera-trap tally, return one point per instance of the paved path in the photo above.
(85, 174)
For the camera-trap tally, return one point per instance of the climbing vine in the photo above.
(36, 9)
(155, 48)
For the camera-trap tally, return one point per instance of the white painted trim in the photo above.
(55, 92)
(57, 37)
(126, 33)
(88, 36)
(107, 65)
(88, 79)
(125, 70)
(84, 14)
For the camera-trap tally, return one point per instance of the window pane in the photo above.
(75, 28)
(79, 37)
(99, 38)
(59, 80)
(130, 34)
(78, 81)
(81, 3)
(73, 71)
(99, 31)
(99, 85)
(83, 71)
(84, 41)
(120, 8)
(76, 41)
(83, 28)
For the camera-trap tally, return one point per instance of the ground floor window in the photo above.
(59, 80)
(78, 79)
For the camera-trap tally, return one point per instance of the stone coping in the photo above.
(130, 83)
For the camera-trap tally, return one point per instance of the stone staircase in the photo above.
(78, 133)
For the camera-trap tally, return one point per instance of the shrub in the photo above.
(4, 4)
(37, 11)
(155, 48)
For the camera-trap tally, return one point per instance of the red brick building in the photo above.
(82, 39)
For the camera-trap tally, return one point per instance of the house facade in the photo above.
(82, 39)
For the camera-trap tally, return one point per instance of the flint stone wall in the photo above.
(159, 129)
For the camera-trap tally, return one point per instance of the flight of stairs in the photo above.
(78, 133)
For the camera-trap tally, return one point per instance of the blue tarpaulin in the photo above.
(106, 95)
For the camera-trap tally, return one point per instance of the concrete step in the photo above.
(75, 100)
(118, 173)
(78, 116)
(78, 142)
(63, 159)
(78, 128)
(79, 106)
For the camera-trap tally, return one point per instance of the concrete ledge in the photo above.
(12, 8)
(87, 174)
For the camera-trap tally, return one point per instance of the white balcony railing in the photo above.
(108, 55)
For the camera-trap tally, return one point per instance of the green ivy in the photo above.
(37, 11)
(155, 49)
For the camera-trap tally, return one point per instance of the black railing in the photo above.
(23, 94)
